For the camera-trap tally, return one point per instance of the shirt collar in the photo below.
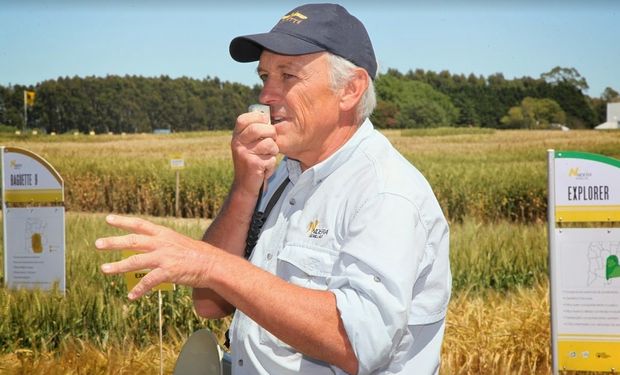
(323, 169)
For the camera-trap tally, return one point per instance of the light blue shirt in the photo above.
(365, 225)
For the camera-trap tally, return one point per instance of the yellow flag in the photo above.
(29, 97)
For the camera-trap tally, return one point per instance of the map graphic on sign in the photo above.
(612, 269)
(603, 262)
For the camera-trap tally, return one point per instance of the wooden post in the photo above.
(176, 203)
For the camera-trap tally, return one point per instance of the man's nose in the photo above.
(271, 92)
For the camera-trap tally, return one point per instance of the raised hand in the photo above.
(254, 152)
(171, 256)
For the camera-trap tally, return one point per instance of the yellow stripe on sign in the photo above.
(133, 278)
(587, 213)
(588, 355)
(33, 196)
(587, 336)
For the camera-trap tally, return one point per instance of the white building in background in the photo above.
(613, 117)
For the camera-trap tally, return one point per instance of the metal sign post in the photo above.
(132, 279)
(34, 221)
(584, 262)
(177, 164)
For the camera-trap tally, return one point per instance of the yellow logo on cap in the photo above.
(294, 17)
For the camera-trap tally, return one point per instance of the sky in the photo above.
(47, 39)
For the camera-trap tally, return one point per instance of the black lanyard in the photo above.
(259, 218)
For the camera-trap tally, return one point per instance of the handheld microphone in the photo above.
(261, 108)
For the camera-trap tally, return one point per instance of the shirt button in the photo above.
(377, 279)
(269, 256)
(292, 202)
(240, 362)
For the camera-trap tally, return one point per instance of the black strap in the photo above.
(259, 218)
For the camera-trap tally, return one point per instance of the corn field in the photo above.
(491, 185)
(481, 173)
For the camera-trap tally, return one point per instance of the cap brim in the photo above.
(248, 48)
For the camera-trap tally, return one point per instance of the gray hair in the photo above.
(340, 73)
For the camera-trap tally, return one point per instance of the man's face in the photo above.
(304, 108)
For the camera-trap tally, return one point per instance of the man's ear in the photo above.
(354, 89)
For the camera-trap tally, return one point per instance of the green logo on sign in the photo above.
(613, 267)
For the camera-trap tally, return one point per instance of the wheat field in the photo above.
(94, 329)
(491, 185)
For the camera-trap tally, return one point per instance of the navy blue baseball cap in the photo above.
(312, 28)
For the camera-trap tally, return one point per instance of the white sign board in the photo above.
(177, 163)
(587, 291)
(587, 187)
(34, 248)
(584, 262)
(34, 221)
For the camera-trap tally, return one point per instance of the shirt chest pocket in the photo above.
(306, 266)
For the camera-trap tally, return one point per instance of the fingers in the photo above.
(148, 282)
(254, 151)
(130, 242)
(171, 256)
(255, 133)
(264, 147)
(133, 263)
(254, 138)
(269, 171)
(246, 119)
(134, 224)
(253, 126)
(137, 263)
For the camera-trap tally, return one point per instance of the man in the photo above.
(350, 272)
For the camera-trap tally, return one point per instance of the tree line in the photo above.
(405, 100)
(425, 98)
(130, 104)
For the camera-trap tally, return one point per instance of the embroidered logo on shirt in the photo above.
(314, 231)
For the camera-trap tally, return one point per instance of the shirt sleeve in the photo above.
(374, 275)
